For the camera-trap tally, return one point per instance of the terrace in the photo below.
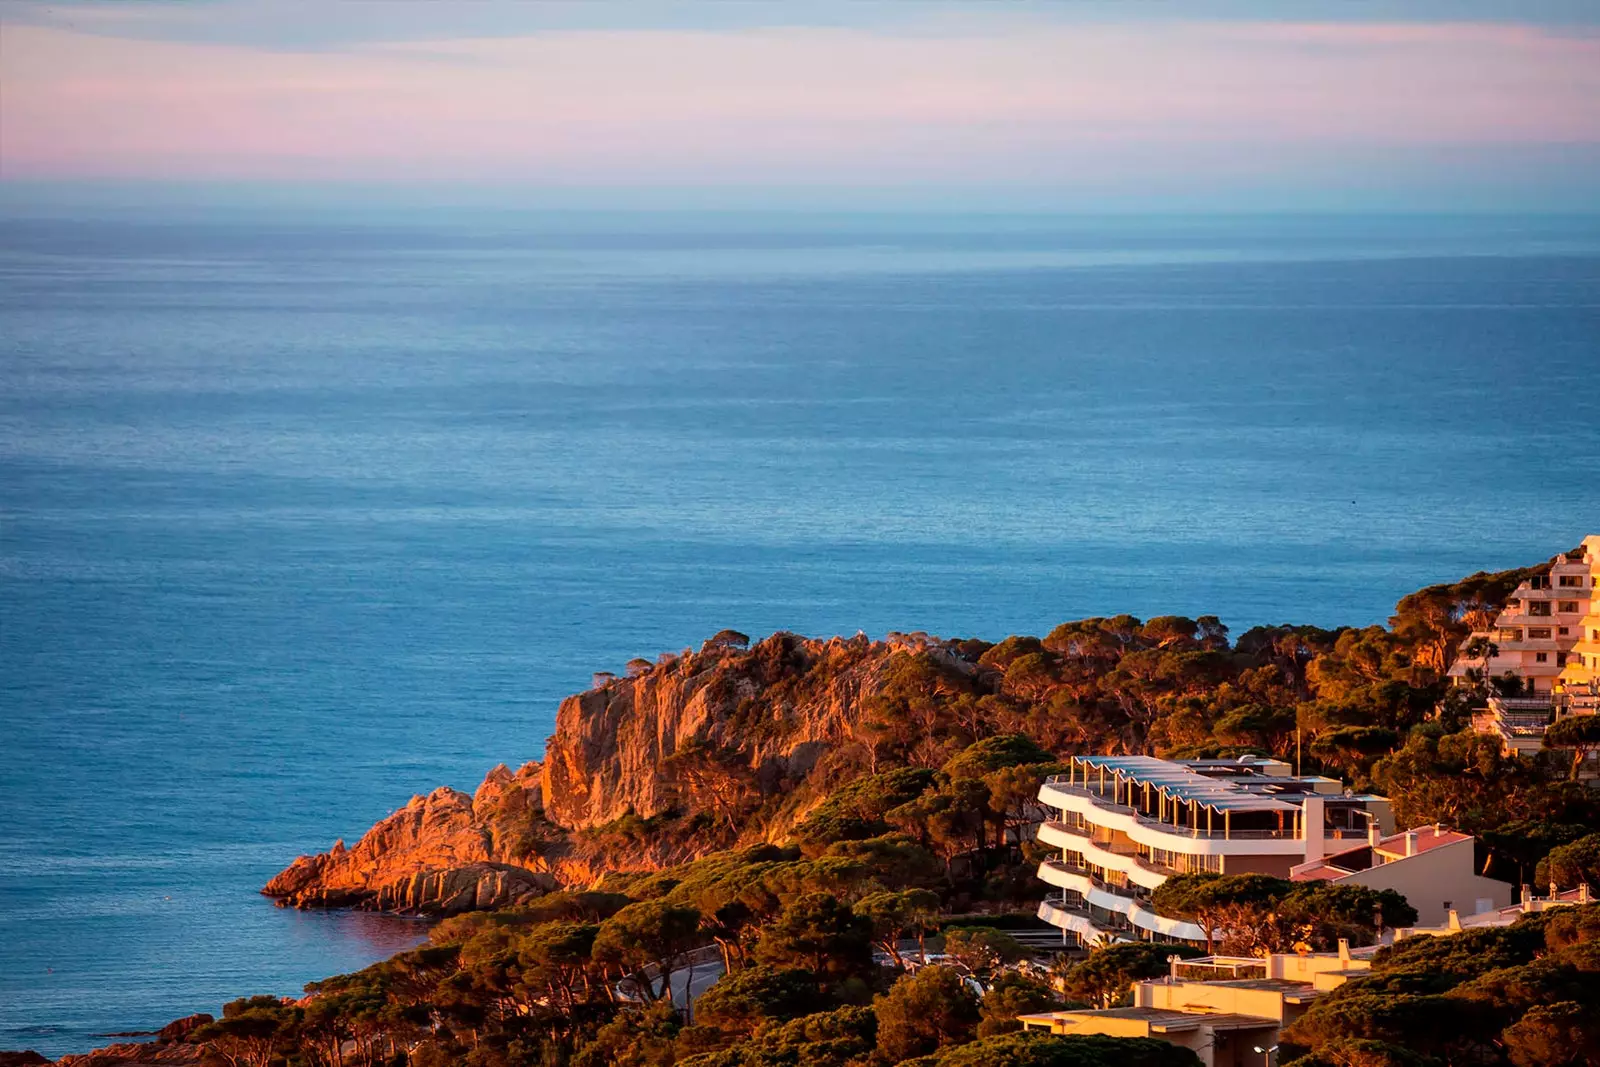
(1175, 798)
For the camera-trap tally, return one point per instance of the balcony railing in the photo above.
(1098, 796)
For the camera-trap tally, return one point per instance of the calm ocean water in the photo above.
(297, 519)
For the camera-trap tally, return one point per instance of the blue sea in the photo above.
(302, 515)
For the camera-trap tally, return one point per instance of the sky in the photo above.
(1469, 104)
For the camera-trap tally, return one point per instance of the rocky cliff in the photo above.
(702, 731)
(693, 752)
(443, 853)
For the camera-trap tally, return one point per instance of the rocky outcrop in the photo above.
(135, 1054)
(178, 1029)
(693, 752)
(770, 711)
(25, 1058)
(443, 853)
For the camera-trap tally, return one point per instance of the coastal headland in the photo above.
(802, 821)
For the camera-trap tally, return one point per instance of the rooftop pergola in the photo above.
(1175, 794)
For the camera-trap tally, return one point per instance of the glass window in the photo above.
(1541, 657)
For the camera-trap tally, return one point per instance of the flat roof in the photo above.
(1187, 784)
(1288, 987)
(1167, 1020)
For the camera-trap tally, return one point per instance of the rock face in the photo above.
(771, 711)
(25, 1058)
(178, 1029)
(440, 854)
(694, 752)
(134, 1054)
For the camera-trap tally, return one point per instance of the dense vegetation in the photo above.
(825, 897)
(1527, 994)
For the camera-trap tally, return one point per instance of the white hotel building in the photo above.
(1127, 823)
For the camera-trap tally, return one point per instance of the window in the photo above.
(1571, 581)
(1541, 657)
(1568, 607)
(1540, 608)
(1561, 659)
(1511, 635)
(1561, 630)
(1538, 633)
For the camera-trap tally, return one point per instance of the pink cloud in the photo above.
(1006, 101)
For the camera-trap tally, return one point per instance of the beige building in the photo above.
(1536, 635)
(1221, 1008)
(1432, 867)
(1529, 904)
(1578, 686)
(1548, 636)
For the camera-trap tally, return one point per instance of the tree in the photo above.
(1580, 733)
(982, 950)
(738, 1003)
(712, 774)
(1105, 977)
(1320, 913)
(1012, 994)
(1029, 1049)
(995, 753)
(649, 934)
(821, 934)
(1362, 1052)
(1014, 797)
(637, 1038)
(726, 639)
(1420, 1023)
(1238, 909)
(894, 916)
(556, 958)
(1527, 841)
(251, 1032)
(1572, 865)
(838, 1038)
(1353, 748)
(1563, 1034)
(950, 821)
(924, 1012)
(890, 860)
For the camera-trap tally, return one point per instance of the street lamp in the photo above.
(1266, 1054)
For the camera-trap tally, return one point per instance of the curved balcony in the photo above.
(1077, 920)
(1052, 872)
(1108, 899)
(1140, 872)
(1153, 833)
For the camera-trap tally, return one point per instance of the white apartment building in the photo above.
(1578, 687)
(1125, 824)
(1536, 636)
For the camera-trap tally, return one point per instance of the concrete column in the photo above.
(1312, 816)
